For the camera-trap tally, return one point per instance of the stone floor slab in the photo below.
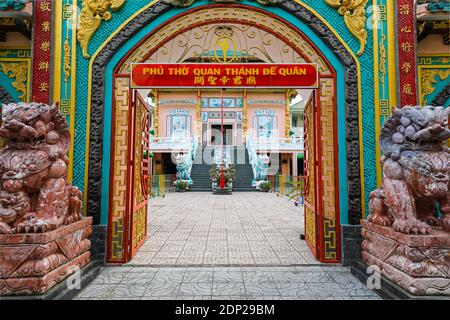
(249, 228)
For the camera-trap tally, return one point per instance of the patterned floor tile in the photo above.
(198, 276)
(257, 277)
(164, 289)
(262, 289)
(242, 230)
(109, 278)
(97, 291)
(198, 297)
(228, 276)
(315, 277)
(229, 297)
(294, 289)
(128, 290)
(195, 289)
(168, 276)
(257, 297)
(327, 289)
(228, 289)
(251, 243)
(287, 276)
(139, 278)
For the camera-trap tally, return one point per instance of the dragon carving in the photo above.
(183, 167)
(416, 167)
(93, 13)
(35, 195)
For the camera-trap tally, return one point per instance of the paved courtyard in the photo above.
(206, 247)
(242, 229)
(226, 283)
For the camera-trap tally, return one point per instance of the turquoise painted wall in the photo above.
(6, 83)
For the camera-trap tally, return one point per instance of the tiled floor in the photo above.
(227, 283)
(242, 229)
(243, 246)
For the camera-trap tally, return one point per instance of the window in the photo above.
(265, 123)
(178, 124)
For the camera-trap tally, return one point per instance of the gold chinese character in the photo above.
(406, 29)
(44, 65)
(405, 9)
(199, 80)
(43, 86)
(407, 89)
(237, 80)
(45, 26)
(224, 80)
(251, 80)
(406, 46)
(45, 6)
(406, 67)
(45, 46)
(212, 80)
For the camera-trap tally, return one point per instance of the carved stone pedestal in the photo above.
(420, 264)
(31, 264)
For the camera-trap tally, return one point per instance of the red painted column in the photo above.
(407, 62)
(42, 47)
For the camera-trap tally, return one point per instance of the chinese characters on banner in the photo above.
(407, 52)
(42, 39)
(253, 75)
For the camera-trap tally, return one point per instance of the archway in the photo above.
(338, 71)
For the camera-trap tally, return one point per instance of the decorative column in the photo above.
(406, 30)
(64, 63)
(156, 124)
(244, 117)
(385, 71)
(287, 116)
(199, 116)
(42, 45)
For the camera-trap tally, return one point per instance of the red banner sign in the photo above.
(202, 75)
(406, 22)
(42, 47)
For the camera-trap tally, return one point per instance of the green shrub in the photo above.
(265, 186)
(181, 185)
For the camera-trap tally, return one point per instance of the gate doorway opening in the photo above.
(216, 134)
(198, 229)
(332, 171)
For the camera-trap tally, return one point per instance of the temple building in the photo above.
(283, 94)
(257, 116)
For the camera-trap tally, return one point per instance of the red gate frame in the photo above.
(319, 225)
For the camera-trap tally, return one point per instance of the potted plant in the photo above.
(215, 173)
(181, 185)
(265, 186)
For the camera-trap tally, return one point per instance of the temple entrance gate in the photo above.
(262, 32)
(136, 174)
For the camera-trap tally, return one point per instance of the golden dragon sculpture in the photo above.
(354, 13)
(93, 13)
